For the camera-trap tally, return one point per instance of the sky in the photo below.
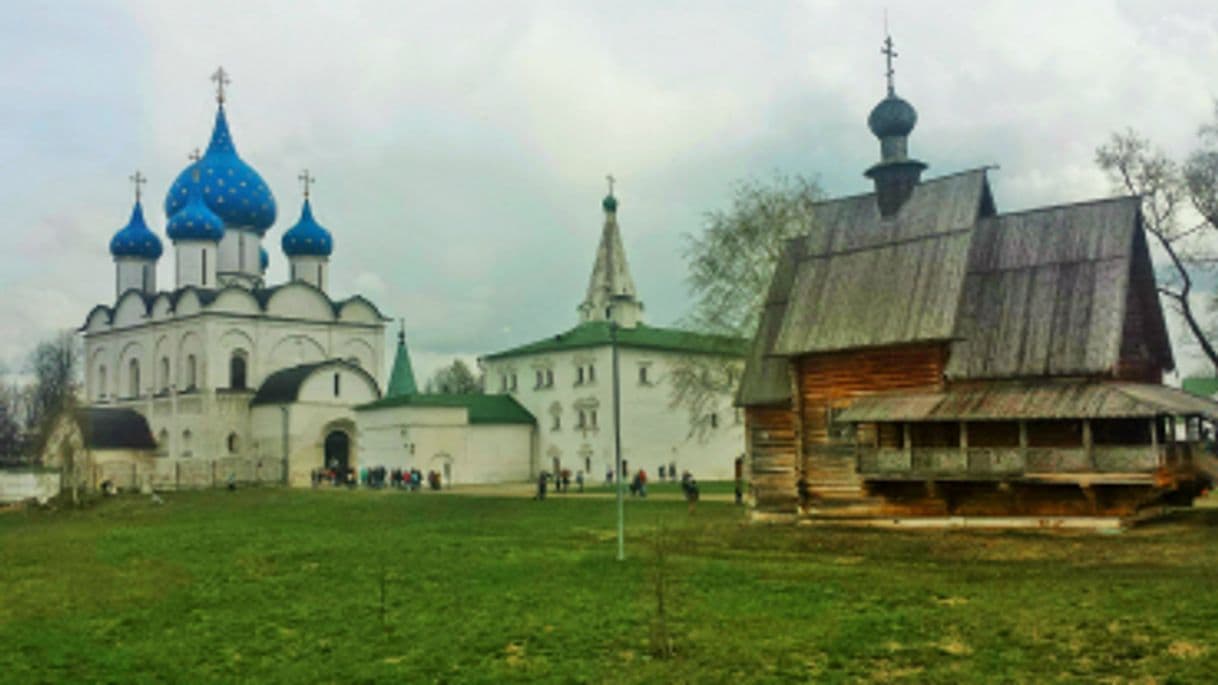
(461, 148)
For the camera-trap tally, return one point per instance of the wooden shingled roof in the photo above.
(1047, 292)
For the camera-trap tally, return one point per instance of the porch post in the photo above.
(1088, 447)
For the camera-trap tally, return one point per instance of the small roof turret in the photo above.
(307, 238)
(401, 381)
(136, 239)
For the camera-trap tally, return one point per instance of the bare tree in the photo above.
(730, 265)
(54, 364)
(1170, 193)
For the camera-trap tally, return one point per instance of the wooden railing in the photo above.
(1001, 462)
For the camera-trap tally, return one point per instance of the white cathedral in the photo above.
(227, 377)
(224, 363)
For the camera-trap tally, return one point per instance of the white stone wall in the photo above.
(132, 273)
(311, 270)
(653, 433)
(195, 263)
(442, 439)
(238, 255)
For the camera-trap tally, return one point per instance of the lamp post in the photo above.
(617, 437)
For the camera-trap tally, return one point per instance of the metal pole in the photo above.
(617, 445)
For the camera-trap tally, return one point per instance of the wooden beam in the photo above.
(1088, 445)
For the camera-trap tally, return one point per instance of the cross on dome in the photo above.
(611, 180)
(195, 155)
(306, 180)
(889, 54)
(221, 79)
(138, 180)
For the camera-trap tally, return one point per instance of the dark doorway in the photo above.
(338, 447)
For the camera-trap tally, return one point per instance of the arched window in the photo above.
(133, 377)
(191, 372)
(164, 374)
(186, 443)
(336, 387)
(101, 382)
(234, 443)
(236, 370)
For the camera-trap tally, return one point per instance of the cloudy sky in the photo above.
(461, 147)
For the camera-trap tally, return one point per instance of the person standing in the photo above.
(690, 487)
(642, 483)
(579, 480)
(541, 486)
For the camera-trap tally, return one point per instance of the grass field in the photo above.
(285, 586)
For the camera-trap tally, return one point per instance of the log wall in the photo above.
(771, 448)
(823, 384)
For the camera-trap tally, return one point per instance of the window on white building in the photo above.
(164, 374)
(549, 378)
(643, 378)
(101, 382)
(579, 375)
(192, 372)
(336, 387)
(133, 378)
(186, 443)
(591, 373)
(513, 386)
(237, 370)
(714, 420)
(233, 443)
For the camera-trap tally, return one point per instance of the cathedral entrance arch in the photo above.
(338, 451)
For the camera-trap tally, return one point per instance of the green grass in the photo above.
(284, 586)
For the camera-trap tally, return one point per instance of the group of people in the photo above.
(376, 477)
(562, 482)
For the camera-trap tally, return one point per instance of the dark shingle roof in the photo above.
(642, 336)
(482, 408)
(283, 386)
(112, 428)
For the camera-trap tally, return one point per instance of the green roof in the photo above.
(1203, 386)
(401, 380)
(482, 408)
(596, 334)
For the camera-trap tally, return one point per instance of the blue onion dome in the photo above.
(307, 238)
(264, 259)
(136, 239)
(231, 188)
(892, 117)
(194, 220)
(609, 204)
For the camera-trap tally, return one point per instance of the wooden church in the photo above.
(923, 356)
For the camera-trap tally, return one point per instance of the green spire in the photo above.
(401, 381)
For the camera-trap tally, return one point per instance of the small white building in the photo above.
(209, 362)
(565, 380)
(464, 438)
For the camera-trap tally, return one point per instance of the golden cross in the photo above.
(221, 79)
(138, 179)
(306, 180)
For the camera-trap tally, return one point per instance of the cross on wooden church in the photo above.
(138, 180)
(889, 53)
(221, 79)
(306, 180)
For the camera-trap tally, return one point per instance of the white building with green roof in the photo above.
(565, 380)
